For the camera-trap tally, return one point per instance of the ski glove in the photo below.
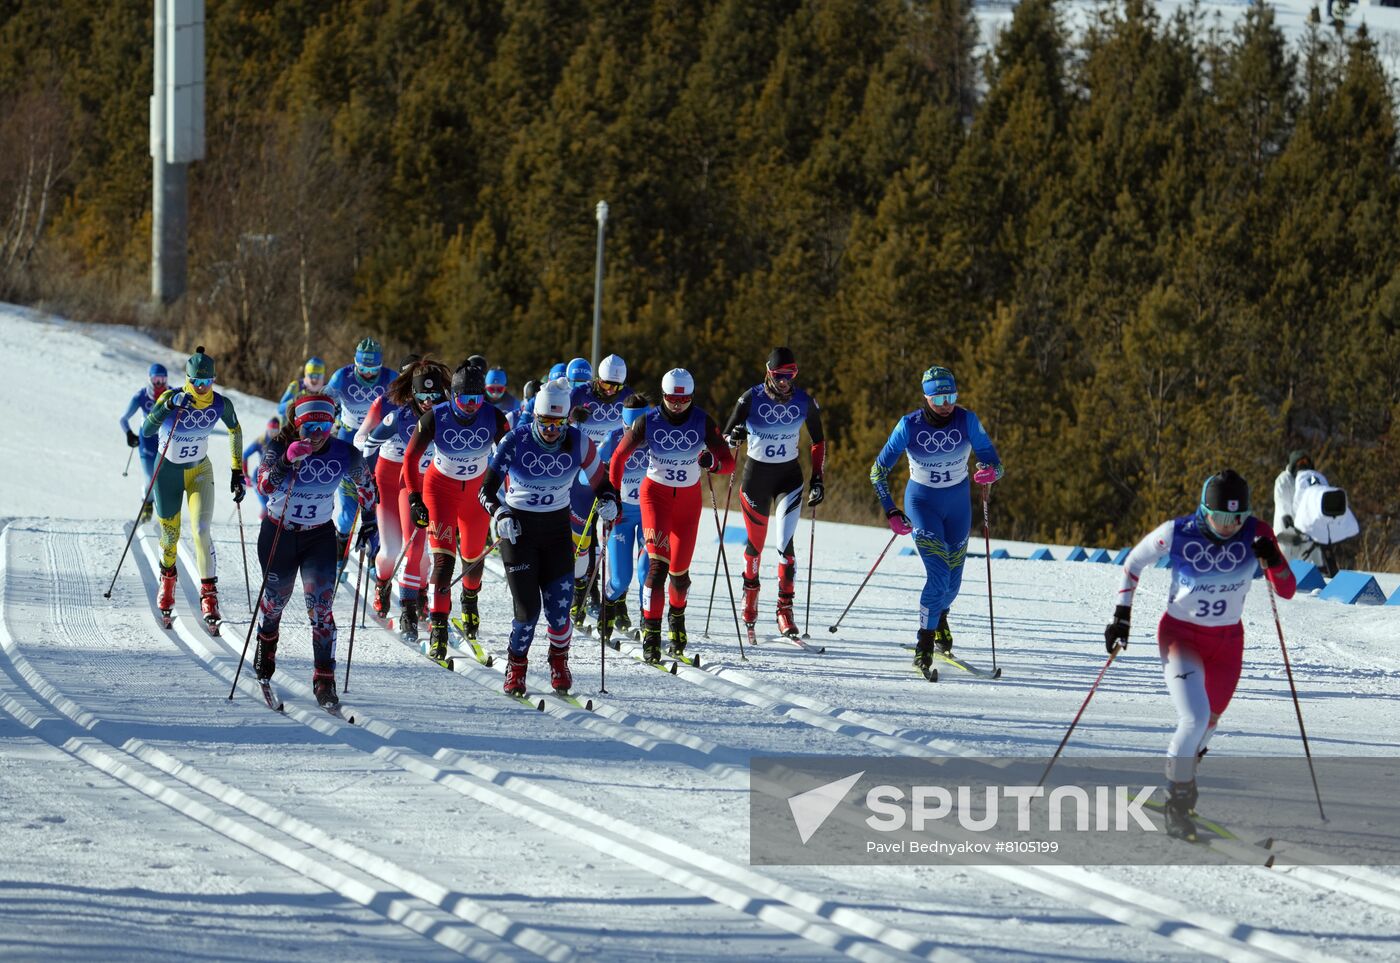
(179, 399)
(736, 435)
(607, 507)
(815, 492)
(418, 510)
(899, 522)
(298, 450)
(368, 532)
(131, 440)
(579, 414)
(1267, 552)
(367, 494)
(1115, 635)
(985, 474)
(706, 460)
(1288, 521)
(238, 486)
(506, 525)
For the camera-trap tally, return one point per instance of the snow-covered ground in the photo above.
(145, 816)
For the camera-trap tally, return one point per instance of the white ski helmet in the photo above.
(677, 388)
(612, 369)
(552, 400)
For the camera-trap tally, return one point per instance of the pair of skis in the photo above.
(275, 703)
(791, 638)
(931, 674)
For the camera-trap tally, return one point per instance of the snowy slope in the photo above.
(148, 817)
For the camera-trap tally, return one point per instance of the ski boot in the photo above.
(381, 596)
(750, 614)
(471, 619)
(165, 597)
(675, 635)
(787, 622)
(209, 601)
(560, 678)
(1181, 802)
(265, 657)
(515, 673)
(578, 611)
(323, 687)
(618, 619)
(408, 620)
(437, 637)
(147, 510)
(923, 650)
(651, 641)
(943, 636)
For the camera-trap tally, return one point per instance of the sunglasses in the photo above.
(946, 398)
(782, 374)
(368, 371)
(314, 428)
(609, 387)
(495, 391)
(158, 382)
(464, 401)
(429, 396)
(201, 382)
(1226, 518)
(550, 421)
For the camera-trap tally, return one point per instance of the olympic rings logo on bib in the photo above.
(674, 440)
(1204, 558)
(359, 394)
(779, 414)
(944, 441)
(198, 419)
(457, 439)
(320, 470)
(544, 464)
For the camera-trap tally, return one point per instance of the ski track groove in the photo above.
(414, 902)
(1205, 932)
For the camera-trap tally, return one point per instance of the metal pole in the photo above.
(602, 213)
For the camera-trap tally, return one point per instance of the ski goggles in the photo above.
(942, 398)
(551, 421)
(428, 396)
(786, 373)
(495, 392)
(368, 372)
(609, 388)
(1226, 518)
(469, 401)
(676, 401)
(159, 384)
(200, 382)
(315, 426)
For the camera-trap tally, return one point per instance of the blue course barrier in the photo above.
(1394, 598)
(735, 536)
(1076, 554)
(908, 550)
(1000, 553)
(1307, 575)
(1122, 556)
(1100, 555)
(1353, 588)
(1042, 554)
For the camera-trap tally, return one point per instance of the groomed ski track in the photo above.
(451, 821)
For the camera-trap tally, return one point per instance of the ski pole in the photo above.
(129, 453)
(987, 535)
(833, 628)
(354, 611)
(811, 549)
(364, 603)
(489, 549)
(714, 504)
(344, 558)
(1060, 748)
(243, 543)
(271, 556)
(714, 578)
(150, 485)
(1297, 706)
(605, 630)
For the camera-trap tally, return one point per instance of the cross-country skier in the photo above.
(938, 439)
(259, 445)
(301, 470)
(413, 393)
(497, 394)
(626, 541)
(157, 379)
(311, 381)
(541, 461)
(770, 416)
(682, 440)
(526, 410)
(446, 499)
(1200, 638)
(185, 418)
(596, 405)
(380, 407)
(354, 388)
